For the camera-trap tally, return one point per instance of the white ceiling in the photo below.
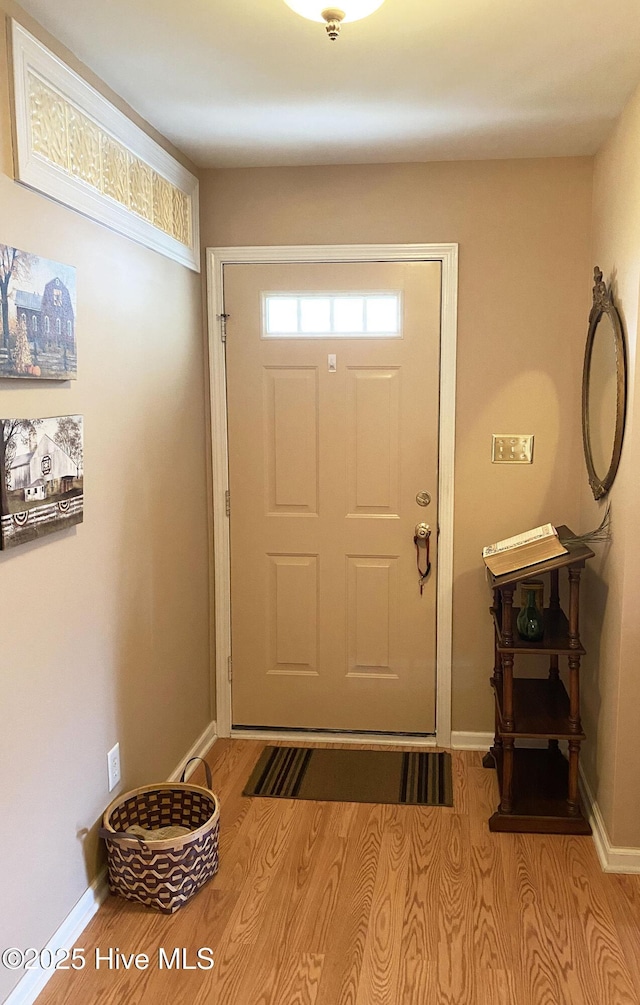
(249, 82)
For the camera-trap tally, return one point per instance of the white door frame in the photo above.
(217, 258)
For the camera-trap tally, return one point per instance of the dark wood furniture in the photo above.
(538, 785)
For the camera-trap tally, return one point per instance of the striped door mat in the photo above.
(353, 776)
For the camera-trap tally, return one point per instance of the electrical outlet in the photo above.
(512, 448)
(113, 766)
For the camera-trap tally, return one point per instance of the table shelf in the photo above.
(540, 780)
(541, 708)
(538, 786)
(555, 640)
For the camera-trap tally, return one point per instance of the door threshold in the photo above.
(334, 736)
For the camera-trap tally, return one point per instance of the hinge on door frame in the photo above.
(229, 668)
(223, 326)
(227, 503)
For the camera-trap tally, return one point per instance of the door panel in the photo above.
(372, 599)
(291, 431)
(373, 398)
(293, 614)
(329, 630)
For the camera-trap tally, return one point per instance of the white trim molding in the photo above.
(204, 743)
(447, 255)
(471, 741)
(29, 988)
(77, 148)
(612, 859)
(32, 984)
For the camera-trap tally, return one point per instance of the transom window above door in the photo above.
(332, 315)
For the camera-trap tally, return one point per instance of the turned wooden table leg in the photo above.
(507, 775)
(573, 798)
(574, 608)
(575, 724)
(554, 605)
(489, 759)
(497, 740)
(554, 669)
(554, 596)
(508, 723)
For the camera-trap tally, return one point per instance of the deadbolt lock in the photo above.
(423, 498)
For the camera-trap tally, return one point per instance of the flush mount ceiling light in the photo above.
(348, 10)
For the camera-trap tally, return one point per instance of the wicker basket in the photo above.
(163, 874)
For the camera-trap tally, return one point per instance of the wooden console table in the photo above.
(538, 785)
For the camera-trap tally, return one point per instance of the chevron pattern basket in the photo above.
(163, 874)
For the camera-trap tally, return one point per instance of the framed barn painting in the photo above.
(41, 477)
(38, 311)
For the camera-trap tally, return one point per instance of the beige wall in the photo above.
(611, 682)
(523, 230)
(104, 627)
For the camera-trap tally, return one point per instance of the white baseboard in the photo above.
(199, 749)
(471, 741)
(28, 989)
(612, 859)
(31, 985)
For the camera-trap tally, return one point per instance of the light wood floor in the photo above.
(345, 904)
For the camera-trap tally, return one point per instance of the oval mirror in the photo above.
(603, 390)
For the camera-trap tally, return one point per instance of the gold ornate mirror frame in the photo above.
(603, 305)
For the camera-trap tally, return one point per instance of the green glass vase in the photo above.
(530, 622)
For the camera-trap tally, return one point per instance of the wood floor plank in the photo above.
(278, 945)
(483, 795)
(266, 854)
(314, 894)
(299, 981)
(494, 941)
(237, 763)
(455, 915)
(227, 984)
(460, 782)
(623, 898)
(380, 974)
(418, 981)
(497, 987)
(246, 963)
(345, 951)
(420, 929)
(541, 980)
(270, 946)
(564, 941)
(363, 904)
(603, 966)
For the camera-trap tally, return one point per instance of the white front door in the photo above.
(332, 378)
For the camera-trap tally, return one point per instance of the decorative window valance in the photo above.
(76, 147)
